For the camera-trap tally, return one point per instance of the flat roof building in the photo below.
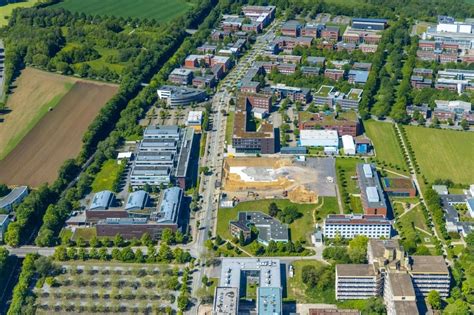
(4, 222)
(348, 144)
(349, 226)
(429, 273)
(357, 281)
(13, 198)
(399, 187)
(180, 95)
(372, 195)
(369, 24)
(319, 138)
(235, 274)
(270, 229)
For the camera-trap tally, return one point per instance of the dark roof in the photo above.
(268, 227)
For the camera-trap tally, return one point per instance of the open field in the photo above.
(275, 177)
(161, 10)
(107, 176)
(297, 290)
(346, 172)
(56, 137)
(386, 145)
(443, 154)
(299, 229)
(6, 10)
(34, 94)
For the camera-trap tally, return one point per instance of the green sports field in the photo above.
(445, 154)
(161, 10)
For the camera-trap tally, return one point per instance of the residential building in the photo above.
(319, 61)
(365, 66)
(372, 195)
(423, 110)
(399, 187)
(291, 28)
(334, 74)
(181, 96)
(368, 48)
(269, 228)
(245, 140)
(346, 46)
(419, 82)
(349, 226)
(4, 222)
(14, 197)
(235, 276)
(310, 71)
(206, 81)
(357, 77)
(181, 76)
(330, 34)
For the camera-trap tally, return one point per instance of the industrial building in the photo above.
(328, 139)
(13, 198)
(236, 273)
(270, 229)
(349, 226)
(181, 95)
(348, 145)
(371, 192)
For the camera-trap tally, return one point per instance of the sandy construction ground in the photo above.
(33, 93)
(57, 136)
(244, 178)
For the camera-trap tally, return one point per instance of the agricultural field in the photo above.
(300, 229)
(57, 133)
(160, 10)
(446, 154)
(91, 287)
(35, 92)
(387, 149)
(6, 10)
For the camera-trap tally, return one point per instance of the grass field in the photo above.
(328, 205)
(35, 93)
(106, 177)
(386, 145)
(297, 291)
(299, 229)
(229, 127)
(161, 10)
(56, 136)
(443, 154)
(6, 10)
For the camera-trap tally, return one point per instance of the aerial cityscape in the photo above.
(231, 157)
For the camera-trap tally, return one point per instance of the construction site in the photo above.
(301, 181)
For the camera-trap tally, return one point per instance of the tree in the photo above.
(205, 280)
(434, 299)
(164, 253)
(94, 242)
(241, 239)
(459, 307)
(374, 306)
(127, 254)
(60, 253)
(358, 249)
(167, 236)
(273, 209)
(464, 124)
(118, 240)
(183, 301)
(146, 239)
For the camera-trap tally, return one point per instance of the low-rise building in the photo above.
(330, 34)
(419, 82)
(319, 61)
(348, 145)
(14, 197)
(357, 76)
(345, 123)
(291, 28)
(319, 138)
(334, 74)
(399, 187)
(369, 24)
(181, 76)
(4, 222)
(270, 229)
(372, 195)
(349, 226)
(181, 96)
(194, 120)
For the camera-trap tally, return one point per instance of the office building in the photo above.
(372, 195)
(102, 206)
(369, 24)
(357, 281)
(180, 76)
(399, 187)
(13, 198)
(399, 295)
(270, 229)
(237, 273)
(137, 200)
(345, 123)
(349, 226)
(429, 273)
(180, 95)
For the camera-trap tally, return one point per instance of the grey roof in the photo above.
(155, 156)
(355, 270)
(269, 301)
(136, 200)
(360, 76)
(269, 229)
(3, 218)
(102, 200)
(311, 59)
(13, 196)
(370, 187)
(161, 131)
(150, 170)
(170, 205)
(185, 152)
(292, 24)
(124, 221)
(440, 189)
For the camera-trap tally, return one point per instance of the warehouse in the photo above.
(348, 145)
(319, 138)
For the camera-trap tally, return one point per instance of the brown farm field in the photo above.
(57, 135)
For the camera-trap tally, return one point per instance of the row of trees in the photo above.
(126, 254)
(433, 201)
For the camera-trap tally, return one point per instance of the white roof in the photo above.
(124, 155)
(195, 116)
(372, 194)
(318, 134)
(348, 142)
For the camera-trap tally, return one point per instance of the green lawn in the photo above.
(42, 111)
(445, 154)
(386, 145)
(6, 10)
(161, 10)
(297, 290)
(229, 127)
(345, 171)
(105, 179)
(299, 229)
(329, 206)
(85, 233)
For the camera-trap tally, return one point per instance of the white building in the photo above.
(349, 226)
(348, 145)
(458, 107)
(319, 138)
(194, 118)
